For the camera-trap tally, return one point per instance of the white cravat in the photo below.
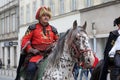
(115, 47)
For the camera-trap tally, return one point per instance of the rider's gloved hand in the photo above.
(34, 51)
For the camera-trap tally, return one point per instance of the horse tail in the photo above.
(96, 72)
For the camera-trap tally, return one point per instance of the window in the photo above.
(15, 56)
(34, 9)
(8, 24)
(88, 3)
(5, 2)
(61, 6)
(3, 25)
(8, 50)
(27, 13)
(1, 3)
(74, 4)
(3, 51)
(21, 15)
(42, 2)
(52, 6)
(13, 22)
(8, 59)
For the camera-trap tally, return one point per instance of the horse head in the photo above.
(78, 42)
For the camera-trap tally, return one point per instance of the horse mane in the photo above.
(57, 51)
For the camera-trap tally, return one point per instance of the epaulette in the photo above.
(54, 29)
(32, 27)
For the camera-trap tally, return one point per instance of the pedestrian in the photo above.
(84, 71)
(38, 38)
(76, 71)
(8, 66)
(112, 46)
(0, 63)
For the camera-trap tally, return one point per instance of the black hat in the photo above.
(117, 21)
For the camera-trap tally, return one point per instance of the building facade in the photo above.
(64, 13)
(17, 15)
(100, 22)
(9, 22)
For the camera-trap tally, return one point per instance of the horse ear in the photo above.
(85, 25)
(75, 24)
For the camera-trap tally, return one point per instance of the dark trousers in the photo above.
(31, 69)
(104, 69)
(114, 73)
(75, 71)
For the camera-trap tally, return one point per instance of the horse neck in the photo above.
(66, 58)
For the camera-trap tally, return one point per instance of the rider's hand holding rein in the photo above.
(34, 51)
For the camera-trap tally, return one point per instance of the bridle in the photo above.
(79, 52)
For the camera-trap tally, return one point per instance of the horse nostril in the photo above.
(88, 60)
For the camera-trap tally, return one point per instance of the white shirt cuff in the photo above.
(111, 54)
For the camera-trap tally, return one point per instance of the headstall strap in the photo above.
(79, 52)
(76, 51)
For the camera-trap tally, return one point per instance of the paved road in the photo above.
(6, 78)
(2, 77)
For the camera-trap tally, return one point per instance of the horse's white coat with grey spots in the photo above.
(62, 70)
(65, 58)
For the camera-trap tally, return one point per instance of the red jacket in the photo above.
(37, 38)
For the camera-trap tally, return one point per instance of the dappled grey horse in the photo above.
(72, 47)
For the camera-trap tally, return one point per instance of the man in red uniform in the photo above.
(37, 39)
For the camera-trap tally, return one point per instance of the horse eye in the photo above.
(76, 38)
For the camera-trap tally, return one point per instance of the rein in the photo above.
(79, 52)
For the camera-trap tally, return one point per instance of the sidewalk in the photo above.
(6, 78)
(7, 73)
